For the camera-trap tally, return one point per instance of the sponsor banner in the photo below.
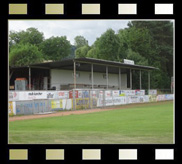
(94, 94)
(122, 93)
(108, 94)
(169, 96)
(10, 108)
(85, 94)
(119, 100)
(111, 101)
(56, 104)
(82, 103)
(108, 101)
(26, 107)
(127, 93)
(67, 104)
(161, 97)
(93, 102)
(101, 94)
(140, 92)
(130, 92)
(32, 95)
(79, 94)
(141, 99)
(62, 94)
(134, 99)
(51, 95)
(71, 94)
(13, 96)
(115, 93)
(152, 98)
(146, 98)
(152, 92)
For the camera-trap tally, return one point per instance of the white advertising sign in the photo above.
(152, 92)
(13, 96)
(160, 97)
(62, 94)
(108, 94)
(126, 61)
(115, 93)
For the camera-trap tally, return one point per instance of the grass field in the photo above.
(148, 124)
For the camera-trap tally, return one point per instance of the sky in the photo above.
(90, 29)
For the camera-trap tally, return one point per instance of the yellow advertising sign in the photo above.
(152, 98)
(82, 103)
(56, 104)
(10, 108)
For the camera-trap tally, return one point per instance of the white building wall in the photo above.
(64, 77)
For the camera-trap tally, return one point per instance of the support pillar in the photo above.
(119, 79)
(74, 73)
(130, 79)
(140, 80)
(107, 76)
(92, 76)
(29, 81)
(148, 80)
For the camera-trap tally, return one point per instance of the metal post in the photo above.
(29, 78)
(130, 79)
(119, 79)
(148, 80)
(140, 80)
(74, 106)
(74, 73)
(104, 98)
(107, 76)
(89, 99)
(92, 76)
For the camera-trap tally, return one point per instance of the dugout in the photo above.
(79, 73)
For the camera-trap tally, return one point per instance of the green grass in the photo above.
(147, 124)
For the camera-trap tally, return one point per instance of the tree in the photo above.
(161, 33)
(108, 46)
(56, 48)
(24, 54)
(82, 51)
(80, 41)
(30, 36)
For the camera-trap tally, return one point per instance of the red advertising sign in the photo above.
(71, 94)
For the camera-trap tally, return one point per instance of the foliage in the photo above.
(56, 48)
(24, 54)
(30, 36)
(145, 42)
(108, 46)
(82, 51)
(80, 41)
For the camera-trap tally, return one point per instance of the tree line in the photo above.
(148, 43)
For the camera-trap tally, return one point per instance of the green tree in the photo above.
(30, 36)
(161, 33)
(24, 54)
(82, 51)
(80, 41)
(108, 46)
(56, 48)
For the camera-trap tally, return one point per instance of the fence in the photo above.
(36, 102)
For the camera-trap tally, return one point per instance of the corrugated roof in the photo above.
(69, 63)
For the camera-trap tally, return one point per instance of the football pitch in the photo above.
(150, 123)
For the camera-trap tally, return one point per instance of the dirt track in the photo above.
(64, 113)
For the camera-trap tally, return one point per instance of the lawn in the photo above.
(148, 124)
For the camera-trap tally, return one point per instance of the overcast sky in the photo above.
(90, 29)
